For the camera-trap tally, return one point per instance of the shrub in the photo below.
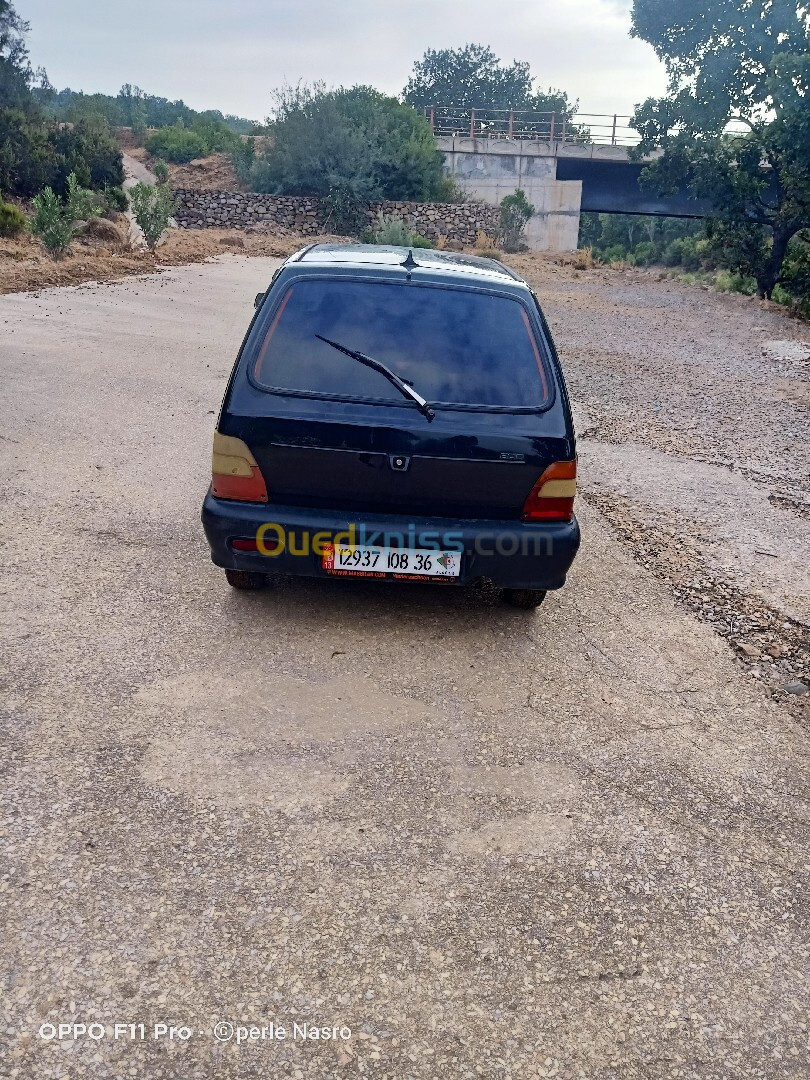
(349, 139)
(740, 283)
(683, 251)
(33, 155)
(12, 220)
(116, 199)
(81, 203)
(484, 242)
(55, 220)
(177, 144)
(516, 211)
(645, 252)
(243, 157)
(583, 259)
(614, 253)
(393, 231)
(26, 154)
(89, 151)
(344, 210)
(152, 207)
(161, 171)
(50, 224)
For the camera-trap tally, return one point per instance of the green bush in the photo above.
(89, 151)
(354, 145)
(152, 207)
(645, 253)
(116, 199)
(55, 220)
(344, 209)
(51, 224)
(392, 231)
(740, 283)
(161, 171)
(26, 153)
(34, 156)
(243, 157)
(794, 286)
(614, 253)
(12, 220)
(727, 281)
(516, 210)
(177, 144)
(673, 252)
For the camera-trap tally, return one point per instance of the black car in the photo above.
(399, 415)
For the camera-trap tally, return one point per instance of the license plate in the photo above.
(384, 562)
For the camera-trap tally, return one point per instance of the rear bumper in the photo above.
(512, 554)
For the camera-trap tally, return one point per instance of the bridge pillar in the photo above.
(489, 169)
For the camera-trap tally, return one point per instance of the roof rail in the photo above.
(298, 256)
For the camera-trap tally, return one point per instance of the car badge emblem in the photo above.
(398, 462)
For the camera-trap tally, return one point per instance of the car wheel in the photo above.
(245, 579)
(524, 598)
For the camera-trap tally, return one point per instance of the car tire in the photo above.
(246, 579)
(524, 598)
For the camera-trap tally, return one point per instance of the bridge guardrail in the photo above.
(607, 129)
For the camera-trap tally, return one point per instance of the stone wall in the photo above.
(459, 222)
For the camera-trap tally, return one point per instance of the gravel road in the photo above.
(694, 408)
(569, 843)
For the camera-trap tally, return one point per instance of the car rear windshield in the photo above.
(454, 346)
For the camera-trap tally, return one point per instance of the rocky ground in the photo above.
(695, 426)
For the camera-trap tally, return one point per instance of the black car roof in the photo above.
(430, 260)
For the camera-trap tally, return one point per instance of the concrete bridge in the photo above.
(564, 166)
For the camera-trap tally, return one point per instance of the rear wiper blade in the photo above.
(376, 365)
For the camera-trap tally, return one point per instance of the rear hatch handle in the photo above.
(376, 365)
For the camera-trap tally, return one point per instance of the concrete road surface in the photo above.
(487, 843)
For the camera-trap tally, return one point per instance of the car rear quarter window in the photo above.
(455, 346)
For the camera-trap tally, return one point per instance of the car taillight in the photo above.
(552, 497)
(234, 472)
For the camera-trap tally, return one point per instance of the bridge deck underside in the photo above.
(613, 188)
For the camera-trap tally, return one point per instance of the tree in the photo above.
(746, 61)
(35, 153)
(351, 147)
(460, 80)
(474, 77)
(16, 75)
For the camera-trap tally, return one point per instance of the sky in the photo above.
(228, 54)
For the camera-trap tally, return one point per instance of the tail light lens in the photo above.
(234, 472)
(244, 543)
(552, 497)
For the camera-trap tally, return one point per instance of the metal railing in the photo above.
(606, 129)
